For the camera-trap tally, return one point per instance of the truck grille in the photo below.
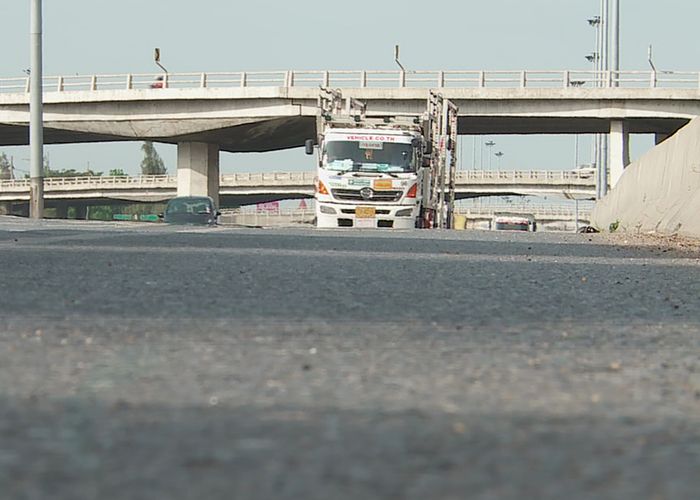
(377, 196)
(351, 211)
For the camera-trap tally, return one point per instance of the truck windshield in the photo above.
(368, 156)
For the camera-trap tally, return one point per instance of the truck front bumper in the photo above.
(334, 215)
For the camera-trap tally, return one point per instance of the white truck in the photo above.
(384, 171)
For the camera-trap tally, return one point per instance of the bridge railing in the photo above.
(524, 176)
(363, 79)
(258, 178)
(93, 180)
(292, 178)
(533, 209)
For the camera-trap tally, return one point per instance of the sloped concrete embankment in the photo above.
(660, 192)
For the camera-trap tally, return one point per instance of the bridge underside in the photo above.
(250, 136)
(487, 125)
(273, 134)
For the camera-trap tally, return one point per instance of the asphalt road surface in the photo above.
(152, 362)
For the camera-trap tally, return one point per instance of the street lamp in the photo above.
(36, 114)
(499, 155)
(489, 144)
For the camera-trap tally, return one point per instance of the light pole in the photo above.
(601, 172)
(595, 58)
(489, 144)
(473, 152)
(499, 155)
(615, 41)
(36, 115)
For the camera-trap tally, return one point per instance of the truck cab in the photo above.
(369, 178)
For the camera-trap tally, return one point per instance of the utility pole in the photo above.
(595, 59)
(613, 49)
(489, 145)
(36, 112)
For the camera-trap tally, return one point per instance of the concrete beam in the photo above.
(659, 138)
(618, 150)
(198, 170)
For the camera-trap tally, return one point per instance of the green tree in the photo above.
(117, 172)
(5, 167)
(69, 172)
(152, 163)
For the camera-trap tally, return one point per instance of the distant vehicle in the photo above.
(158, 84)
(197, 210)
(513, 222)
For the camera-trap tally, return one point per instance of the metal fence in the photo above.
(364, 79)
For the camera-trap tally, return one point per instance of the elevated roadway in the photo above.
(249, 188)
(204, 113)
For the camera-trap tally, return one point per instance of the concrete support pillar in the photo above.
(619, 150)
(198, 170)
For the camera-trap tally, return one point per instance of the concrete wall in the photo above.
(660, 192)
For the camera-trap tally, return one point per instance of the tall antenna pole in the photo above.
(602, 171)
(36, 112)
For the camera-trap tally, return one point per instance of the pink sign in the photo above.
(270, 206)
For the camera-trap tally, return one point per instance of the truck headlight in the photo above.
(406, 212)
(327, 210)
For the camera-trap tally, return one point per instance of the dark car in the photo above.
(199, 210)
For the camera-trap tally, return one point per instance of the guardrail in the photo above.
(541, 211)
(516, 176)
(245, 178)
(303, 212)
(287, 178)
(257, 178)
(364, 79)
(536, 210)
(94, 180)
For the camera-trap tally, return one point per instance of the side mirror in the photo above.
(309, 145)
(160, 216)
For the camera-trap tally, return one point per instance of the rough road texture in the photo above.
(152, 362)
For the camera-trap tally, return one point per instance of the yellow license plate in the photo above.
(382, 184)
(365, 212)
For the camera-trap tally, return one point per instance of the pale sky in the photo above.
(111, 37)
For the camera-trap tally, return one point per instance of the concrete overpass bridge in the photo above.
(249, 188)
(204, 113)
